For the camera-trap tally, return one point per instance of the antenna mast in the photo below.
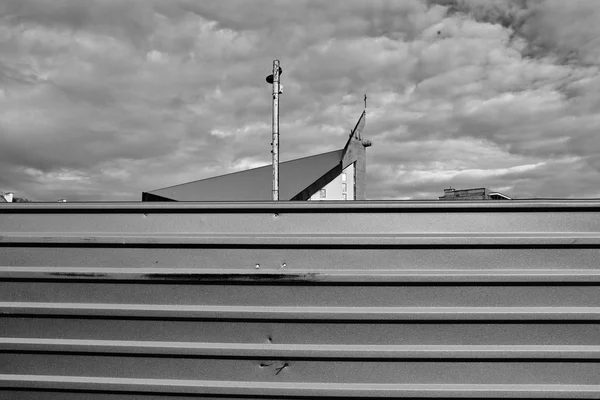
(274, 79)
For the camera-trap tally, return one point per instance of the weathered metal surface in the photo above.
(276, 300)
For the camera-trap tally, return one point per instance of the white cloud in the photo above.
(106, 99)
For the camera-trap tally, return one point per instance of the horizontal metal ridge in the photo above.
(382, 276)
(154, 311)
(292, 350)
(284, 389)
(297, 206)
(429, 239)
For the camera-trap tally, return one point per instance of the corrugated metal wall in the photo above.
(267, 300)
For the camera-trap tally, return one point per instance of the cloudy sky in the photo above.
(104, 99)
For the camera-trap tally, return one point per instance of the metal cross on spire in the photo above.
(365, 101)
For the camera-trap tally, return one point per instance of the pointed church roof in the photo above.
(254, 184)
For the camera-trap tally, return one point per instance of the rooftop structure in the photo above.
(335, 175)
(6, 197)
(472, 194)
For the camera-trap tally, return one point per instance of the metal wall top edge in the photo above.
(307, 207)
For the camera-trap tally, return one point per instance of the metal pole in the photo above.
(275, 130)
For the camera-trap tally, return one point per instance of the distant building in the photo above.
(336, 175)
(472, 194)
(6, 197)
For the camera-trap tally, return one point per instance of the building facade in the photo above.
(342, 187)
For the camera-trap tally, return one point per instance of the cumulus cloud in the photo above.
(101, 100)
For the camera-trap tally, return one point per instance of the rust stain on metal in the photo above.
(278, 367)
(285, 365)
(78, 274)
(281, 278)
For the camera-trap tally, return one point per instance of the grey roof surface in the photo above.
(256, 184)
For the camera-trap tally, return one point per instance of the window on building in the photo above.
(344, 196)
(323, 193)
(344, 177)
(343, 187)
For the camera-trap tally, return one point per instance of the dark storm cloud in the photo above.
(565, 29)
